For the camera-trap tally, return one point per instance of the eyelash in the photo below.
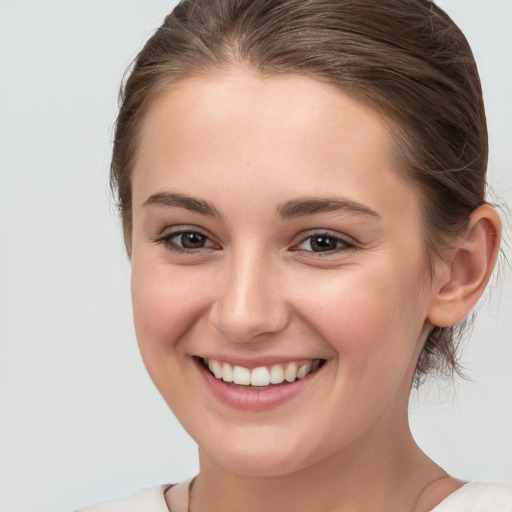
(166, 240)
(341, 244)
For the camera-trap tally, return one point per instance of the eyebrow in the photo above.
(313, 205)
(290, 209)
(174, 200)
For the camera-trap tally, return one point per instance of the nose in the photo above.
(250, 301)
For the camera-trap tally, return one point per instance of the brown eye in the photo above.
(191, 240)
(186, 241)
(324, 242)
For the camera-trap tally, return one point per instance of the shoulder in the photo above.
(151, 498)
(478, 497)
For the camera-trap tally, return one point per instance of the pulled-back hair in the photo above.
(405, 58)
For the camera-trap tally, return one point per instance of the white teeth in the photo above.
(276, 374)
(304, 370)
(290, 374)
(227, 373)
(216, 368)
(241, 375)
(261, 376)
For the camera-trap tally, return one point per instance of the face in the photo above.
(271, 233)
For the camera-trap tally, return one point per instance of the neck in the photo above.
(383, 470)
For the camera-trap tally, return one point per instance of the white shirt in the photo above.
(478, 497)
(471, 497)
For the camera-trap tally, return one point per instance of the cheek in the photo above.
(166, 309)
(372, 317)
(165, 305)
(373, 322)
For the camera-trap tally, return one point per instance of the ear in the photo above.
(461, 280)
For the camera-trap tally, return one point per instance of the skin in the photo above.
(246, 145)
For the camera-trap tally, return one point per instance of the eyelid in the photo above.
(348, 243)
(169, 233)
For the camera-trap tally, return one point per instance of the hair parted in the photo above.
(405, 58)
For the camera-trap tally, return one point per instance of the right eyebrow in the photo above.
(314, 205)
(175, 200)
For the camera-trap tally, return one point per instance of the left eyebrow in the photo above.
(174, 200)
(313, 205)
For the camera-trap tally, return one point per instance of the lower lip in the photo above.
(251, 399)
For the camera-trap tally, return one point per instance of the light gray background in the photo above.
(79, 419)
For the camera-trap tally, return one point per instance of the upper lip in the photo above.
(255, 362)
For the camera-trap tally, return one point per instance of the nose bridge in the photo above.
(249, 301)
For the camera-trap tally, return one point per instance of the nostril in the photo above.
(241, 324)
(248, 302)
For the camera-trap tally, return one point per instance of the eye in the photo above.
(186, 241)
(324, 242)
(190, 240)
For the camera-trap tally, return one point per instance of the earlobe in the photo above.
(465, 275)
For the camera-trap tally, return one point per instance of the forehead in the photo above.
(290, 131)
(261, 107)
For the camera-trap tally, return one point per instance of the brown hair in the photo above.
(406, 58)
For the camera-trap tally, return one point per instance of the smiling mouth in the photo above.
(262, 377)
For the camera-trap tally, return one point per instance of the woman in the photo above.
(301, 185)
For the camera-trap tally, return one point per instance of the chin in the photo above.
(258, 466)
(261, 459)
